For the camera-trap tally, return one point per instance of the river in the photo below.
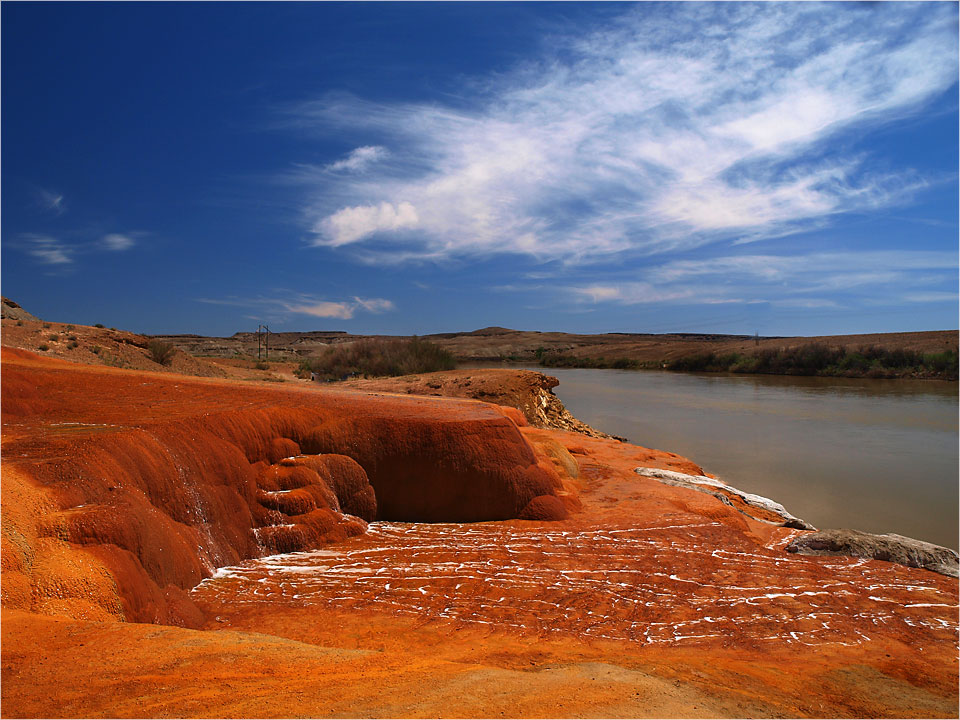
(874, 455)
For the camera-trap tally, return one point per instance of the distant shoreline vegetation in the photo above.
(815, 359)
(378, 358)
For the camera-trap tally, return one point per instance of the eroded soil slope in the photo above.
(93, 345)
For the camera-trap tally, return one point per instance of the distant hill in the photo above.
(557, 349)
(910, 354)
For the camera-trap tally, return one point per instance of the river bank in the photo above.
(124, 489)
(813, 360)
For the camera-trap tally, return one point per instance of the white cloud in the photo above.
(299, 304)
(805, 304)
(633, 292)
(638, 293)
(56, 251)
(46, 249)
(675, 127)
(350, 224)
(359, 159)
(374, 305)
(343, 311)
(117, 242)
(777, 267)
(52, 255)
(931, 297)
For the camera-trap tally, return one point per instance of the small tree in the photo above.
(161, 352)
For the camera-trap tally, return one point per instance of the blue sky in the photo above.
(781, 168)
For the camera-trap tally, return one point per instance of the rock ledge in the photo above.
(755, 506)
(890, 547)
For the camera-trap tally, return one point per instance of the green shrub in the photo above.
(54, 337)
(19, 323)
(704, 362)
(72, 345)
(944, 363)
(262, 366)
(563, 360)
(99, 325)
(817, 359)
(813, 359)
(113, 360)
(378, 358)
(161, 352)
(96, 349)
(43, 348)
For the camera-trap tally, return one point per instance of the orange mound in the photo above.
(162, 479)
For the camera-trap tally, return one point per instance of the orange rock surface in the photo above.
(619, 596)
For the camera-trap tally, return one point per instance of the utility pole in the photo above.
(263, 331)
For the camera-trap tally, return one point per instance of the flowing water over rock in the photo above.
(677, 581)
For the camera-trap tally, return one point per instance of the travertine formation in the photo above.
(162, 480)
(647, 584)
(439, 557)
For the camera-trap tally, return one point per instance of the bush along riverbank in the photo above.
(814, 359)
(378, 358)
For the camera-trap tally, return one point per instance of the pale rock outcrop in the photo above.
(890, 547)
(769, 511)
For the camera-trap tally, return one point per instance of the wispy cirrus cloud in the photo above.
(806, 281)
(46, 249)
(56, 250)
(669, 129)
(51, 201)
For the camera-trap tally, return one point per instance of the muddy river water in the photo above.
(875, 455)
